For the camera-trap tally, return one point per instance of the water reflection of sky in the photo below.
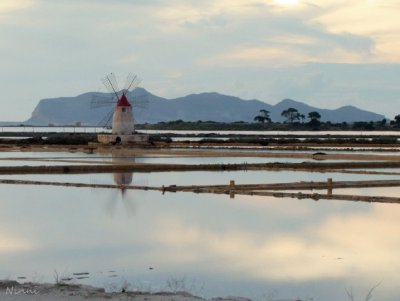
(74, 158)
(165, 160)
(252, 246)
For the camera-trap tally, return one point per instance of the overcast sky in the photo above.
(326, 53)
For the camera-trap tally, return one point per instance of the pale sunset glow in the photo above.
(286, 2)
(10, 244)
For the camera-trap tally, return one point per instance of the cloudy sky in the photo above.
(327, 53)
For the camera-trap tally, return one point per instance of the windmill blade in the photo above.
(111, 205)
(109, 117)
(106, 120)
(107, 83)
(99, 104)
(110, 82)
(129, 204)
(99, 101)
(137, 100)
(113, 80)
(132, 81)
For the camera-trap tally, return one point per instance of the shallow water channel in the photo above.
(263, 248)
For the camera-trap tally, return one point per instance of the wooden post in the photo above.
(330, 186)
(232, 189)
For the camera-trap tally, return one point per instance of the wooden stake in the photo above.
(232, 189)
(330, 186)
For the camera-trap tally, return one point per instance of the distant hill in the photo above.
(10, 123)
(342, 114)
(194, 107)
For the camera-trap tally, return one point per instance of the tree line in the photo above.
(293, 116)
(294, 120)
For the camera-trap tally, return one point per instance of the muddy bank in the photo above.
(150, 167)
(277, 190)
(229, 187)
(171, 140)
(228, 153)
(204, 149)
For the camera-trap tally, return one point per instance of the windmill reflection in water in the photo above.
(122, 179)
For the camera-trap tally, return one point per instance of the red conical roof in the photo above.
(123, 102)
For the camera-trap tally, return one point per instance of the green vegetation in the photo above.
(263, 117)
(295, 121)
(396, 121)
(292, 115)
(269, 126)
(314, 120)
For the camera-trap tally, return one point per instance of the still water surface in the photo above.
(258, 247)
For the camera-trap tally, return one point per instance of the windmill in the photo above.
(121, 112)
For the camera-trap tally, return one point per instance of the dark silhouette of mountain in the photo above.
(194, 107)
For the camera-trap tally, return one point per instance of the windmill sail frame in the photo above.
(111, 84)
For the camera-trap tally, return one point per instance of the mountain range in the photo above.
(205, 106)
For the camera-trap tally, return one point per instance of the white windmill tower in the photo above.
(122, 122)
(123, 126)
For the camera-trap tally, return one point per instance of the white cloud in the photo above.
(61, 48)
(375, 19)
(287, 54)
(339, 246)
